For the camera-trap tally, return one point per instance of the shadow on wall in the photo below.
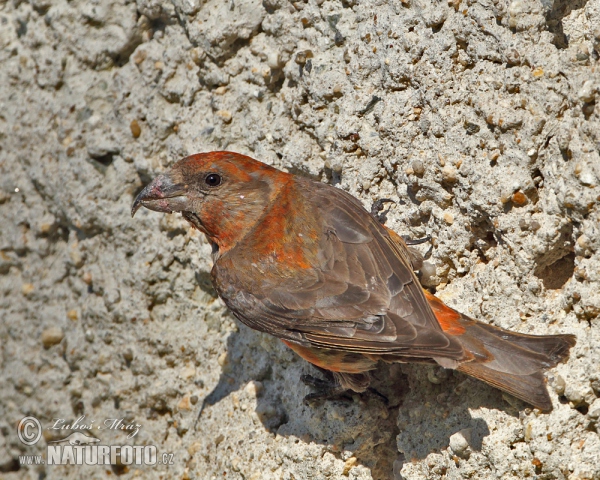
(426, 406)
(558, 10)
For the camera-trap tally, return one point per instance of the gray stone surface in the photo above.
(480, 118)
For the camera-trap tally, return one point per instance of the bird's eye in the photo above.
(213, 180)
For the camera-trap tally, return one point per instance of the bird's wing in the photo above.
(360, 294)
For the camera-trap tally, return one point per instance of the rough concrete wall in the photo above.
(479, 117)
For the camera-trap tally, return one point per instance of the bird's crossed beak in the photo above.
(162, 195)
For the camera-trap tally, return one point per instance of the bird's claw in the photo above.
(377, 395)
(324, 390)
(377, 207)
(415, 241)
(331, 390)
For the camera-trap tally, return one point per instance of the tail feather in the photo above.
(513, 362)
(554, 347)
(529, 388)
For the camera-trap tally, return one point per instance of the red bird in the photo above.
(305, 262)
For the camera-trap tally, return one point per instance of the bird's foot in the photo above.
(415, 241)
(371, 392)
(323, 390)
(331, 390)
(377, 207)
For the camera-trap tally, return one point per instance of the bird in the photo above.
(307, 263)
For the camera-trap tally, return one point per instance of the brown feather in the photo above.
(307, 263)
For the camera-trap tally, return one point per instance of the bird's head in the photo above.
(222, 194)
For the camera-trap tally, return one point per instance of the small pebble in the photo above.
(128, 355)
(253, 388)
(538, 72)
(523, 224)
(351, 462)
(266, 411)
(139, 56)
(185, 404)
(587, 92)
(89, 336)
(515, 8)
(449, 174)
(459, 444)
(519, 198)
(587, 178)
(225, 115)
(559, 385)
(448, 218)
(594, 409)
(418, 167)
(223, 359)
(52, 336)
(472, 128)
(582, 53)
(583, 241)
(46, 227)
(301, 57)
(135, 128)
(574, 396)
(75, 256)
(505, 197)
(512, 57)
(197, 55)
(27, 288)
(273, 60)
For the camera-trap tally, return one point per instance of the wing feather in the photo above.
(360, 296)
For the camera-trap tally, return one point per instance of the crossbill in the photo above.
(305, 262)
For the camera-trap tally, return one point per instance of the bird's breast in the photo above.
(286, 239)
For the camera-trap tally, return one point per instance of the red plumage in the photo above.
(305, 262)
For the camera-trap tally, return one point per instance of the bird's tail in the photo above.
(513, 362)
